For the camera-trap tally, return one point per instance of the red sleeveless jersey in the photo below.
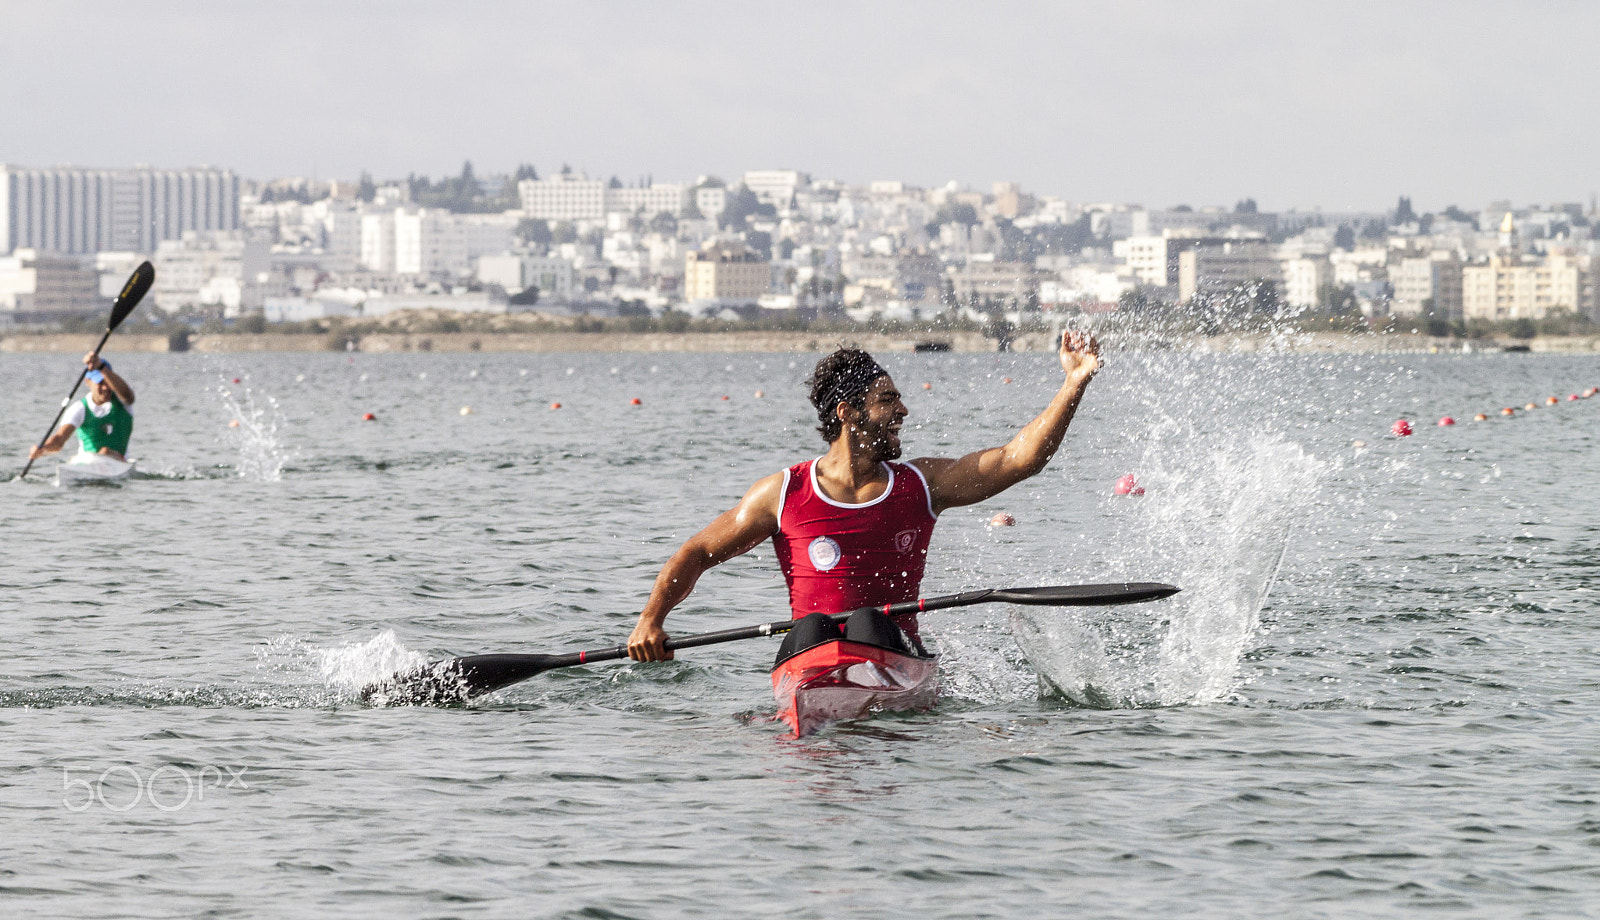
(838, 557)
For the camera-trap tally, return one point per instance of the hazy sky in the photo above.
(1297, 104)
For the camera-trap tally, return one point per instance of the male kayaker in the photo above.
(851, 528)
(103, 418)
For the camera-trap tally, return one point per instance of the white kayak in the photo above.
(85, 468)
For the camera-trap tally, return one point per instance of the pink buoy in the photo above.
(236, 380)
(1001, 519)
(1401, 428)
(369, 417)
(635, 402)
(1446, 422)
(1572, 397)
(1127, 485)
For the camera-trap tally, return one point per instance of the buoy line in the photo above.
(1402, 427)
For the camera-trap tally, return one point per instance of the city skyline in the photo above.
(1297, 106)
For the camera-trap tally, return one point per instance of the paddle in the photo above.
(460, 679)
(138, 284)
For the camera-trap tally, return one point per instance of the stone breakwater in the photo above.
(729, 342)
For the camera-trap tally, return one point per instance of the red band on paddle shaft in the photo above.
(886, 609)
(922, 604)
(583, 657)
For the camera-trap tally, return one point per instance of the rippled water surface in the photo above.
(1376, 697)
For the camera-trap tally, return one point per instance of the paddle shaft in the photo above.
(780, 627)
(463, 678)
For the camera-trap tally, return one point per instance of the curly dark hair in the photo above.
(842, 377)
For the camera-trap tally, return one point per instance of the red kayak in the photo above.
(846, 680)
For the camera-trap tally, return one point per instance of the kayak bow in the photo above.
(841, 680)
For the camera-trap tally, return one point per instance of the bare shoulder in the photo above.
(765, 489)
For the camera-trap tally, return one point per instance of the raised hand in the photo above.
(1080, 354)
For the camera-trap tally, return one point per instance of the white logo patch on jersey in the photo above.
(824, 553)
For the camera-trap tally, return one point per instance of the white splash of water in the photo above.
(1215, 521)
(352, 666)
(261, 454)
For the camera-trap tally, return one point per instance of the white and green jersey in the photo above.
(107, 424)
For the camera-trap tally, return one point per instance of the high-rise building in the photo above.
(79, 211)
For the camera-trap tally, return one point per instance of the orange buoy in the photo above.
(1530, 406)
(1127, 485)
(555, 405)
(927, 386)
(1551, 401)
(1005, 380)
(234, 423)
(1508, 411)
(760, 394)
(1446, 422)
(635, 402)
(1401, 428)
(1480, 417)
(724, 399)
(369, 417)
(1001, 519)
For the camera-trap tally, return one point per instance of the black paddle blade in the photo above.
(138, 285)
(456, 680)
(1085, 595)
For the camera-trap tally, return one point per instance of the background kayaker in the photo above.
(851, 528)
(103, 418)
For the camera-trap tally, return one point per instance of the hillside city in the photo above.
(768, 246)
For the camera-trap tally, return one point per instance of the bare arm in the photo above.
(986, 473)
(735, 532)
(53, 443)
(118, 385)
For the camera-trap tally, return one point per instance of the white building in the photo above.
(204, 269)
(377, 242)
(711, 201)
(775, 186)
(1419, 282)
(568, 196)
(649, 201)
(516, 272)
(1304, 278)
(573, 196)
(431, 242)
(43, 287)
(1225, 266)
(75, 210)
